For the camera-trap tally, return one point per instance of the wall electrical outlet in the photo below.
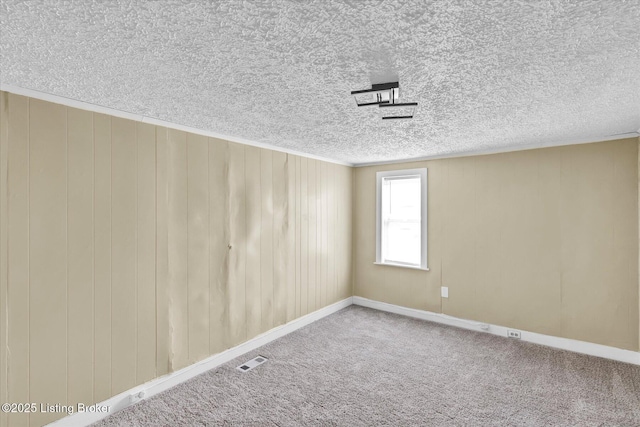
(444, 292)
(138, 396)
(513, 334)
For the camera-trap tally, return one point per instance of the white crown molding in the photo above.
(508, 149)
(158, 385)
(31, 93)
(576, 346)
(151, 120)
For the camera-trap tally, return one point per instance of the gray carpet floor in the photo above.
(362, 367)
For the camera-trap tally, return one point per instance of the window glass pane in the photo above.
(403, 242)
(401, 234)
(404, 198)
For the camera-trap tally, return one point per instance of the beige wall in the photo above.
(128, 250)
(541, 240)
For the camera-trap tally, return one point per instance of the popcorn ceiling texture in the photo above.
(487, 75)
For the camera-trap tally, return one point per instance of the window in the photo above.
(401, 220)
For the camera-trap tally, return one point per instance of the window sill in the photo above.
(401, 266)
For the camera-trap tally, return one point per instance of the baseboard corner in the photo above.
(158, 385)
(576, 346)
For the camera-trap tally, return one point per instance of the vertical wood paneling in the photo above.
(331, 223)
(238, 245)
(341, 228)
(487, 239)
(46, 190)
(587, 201)
(80, 255)
(436, 214)
(322, 277)
(298, 237)
(280, 223)
(327, 230)
(198, 246)
(254, 226)
(177, 225)
(146, 256)
(542, 244)
(154, 248)
(291, 220)
(163, 331)
(266, 239)
(312, 201)
(531, 283)
(625, 255)
(545, 261)
(17, 218)
(319, 228)
(48, 256)
(219, 243)
(345, 220)
(458, 260)
(123, 254)
(102, 251)
(4, 142)
(348, 183)
(304, 237)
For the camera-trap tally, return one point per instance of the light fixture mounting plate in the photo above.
(379, 94)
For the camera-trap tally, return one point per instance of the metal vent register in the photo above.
(256, 361)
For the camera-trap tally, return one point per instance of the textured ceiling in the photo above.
(487, 75)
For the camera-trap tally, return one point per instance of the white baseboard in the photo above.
(158, 385)
(576, 346)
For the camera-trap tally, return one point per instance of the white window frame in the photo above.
(422, 172)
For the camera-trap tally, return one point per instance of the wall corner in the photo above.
(4, 136)
(352, 261)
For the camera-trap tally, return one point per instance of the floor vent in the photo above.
(257, 361)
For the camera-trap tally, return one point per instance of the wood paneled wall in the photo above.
(541, 240)
(128, 250)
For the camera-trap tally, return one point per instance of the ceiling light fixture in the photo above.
(385, 95)
(378, 94)
(404, 110)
